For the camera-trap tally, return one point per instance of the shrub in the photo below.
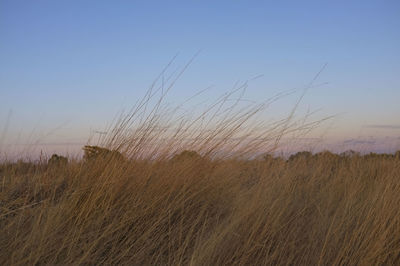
(57, 160)
(95, 152)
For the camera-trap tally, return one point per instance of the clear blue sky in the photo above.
(67, 67)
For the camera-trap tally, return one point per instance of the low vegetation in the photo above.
(161, 190)
(318, 209)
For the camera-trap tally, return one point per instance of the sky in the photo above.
(67, 67)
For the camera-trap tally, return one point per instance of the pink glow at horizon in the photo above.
(287, 147)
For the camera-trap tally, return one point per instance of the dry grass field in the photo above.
(148, 203)
(321, 210)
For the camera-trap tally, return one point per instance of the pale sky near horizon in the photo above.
(67, 67)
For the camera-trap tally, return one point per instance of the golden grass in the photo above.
(202, 212)
(219, 208)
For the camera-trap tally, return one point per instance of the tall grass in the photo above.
(221, 206)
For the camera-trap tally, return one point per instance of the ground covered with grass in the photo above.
(321, 209)
(185, 186)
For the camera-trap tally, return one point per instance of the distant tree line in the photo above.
(94, 153)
